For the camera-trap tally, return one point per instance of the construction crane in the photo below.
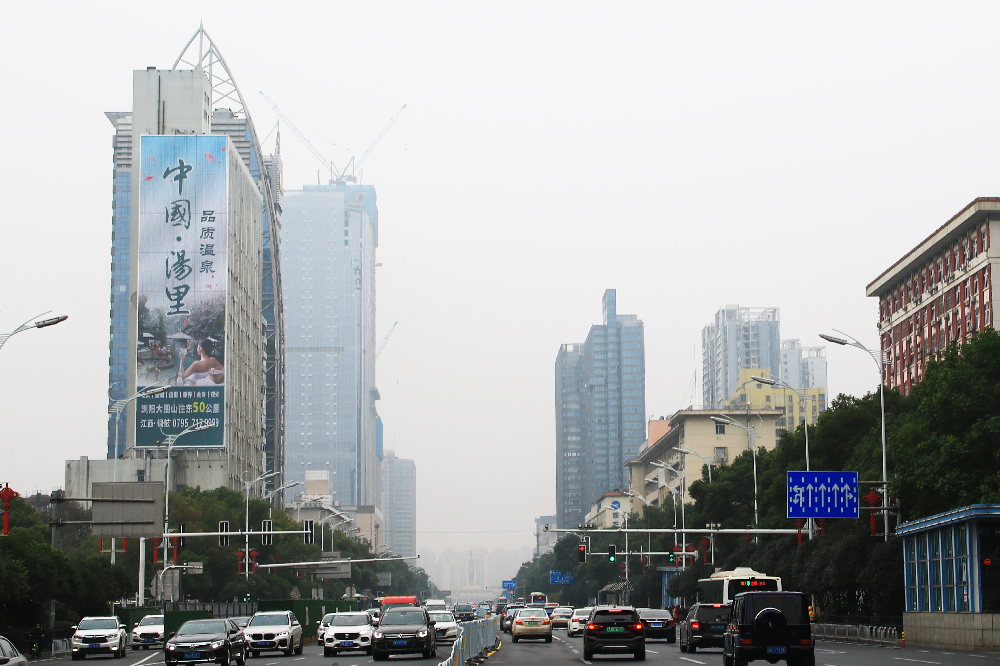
(352, 164)
(385, 340)
(325, 162)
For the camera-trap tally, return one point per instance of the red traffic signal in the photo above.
(582, 553)
(988, 562)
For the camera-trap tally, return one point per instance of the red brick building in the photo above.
(938, 293)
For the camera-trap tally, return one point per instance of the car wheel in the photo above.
(640, 654)
(368, 651)
(241, 657)
(298, 650)
(672, 639)
(587, 654)
(513, 638)
(255, 653)
(290, 651)
(379, 656)
(74, 657)
(737, 660)
(682, 647)
(327, 652)
(548, 639)
(692, 648)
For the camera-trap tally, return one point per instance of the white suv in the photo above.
(348, 631)
(98, 635)
(149, 631)
(274, 631)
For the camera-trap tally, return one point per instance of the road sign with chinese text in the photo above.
(509, 584)
(560, 578)
(822, 495)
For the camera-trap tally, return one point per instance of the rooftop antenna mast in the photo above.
(325, 162)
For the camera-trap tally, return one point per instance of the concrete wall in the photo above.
(959, 631)
(83, 473)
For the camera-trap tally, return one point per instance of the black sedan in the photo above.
(404, 630)
(658, 624)
(201, 641)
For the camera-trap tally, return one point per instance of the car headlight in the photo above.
(282, 634)
(379, 635)
(112, 637)
(421, 633)
(171, 647)
(217, 644)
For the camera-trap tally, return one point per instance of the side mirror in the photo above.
(4, 660)
(73, 627)
(171, 634)
(319, 621)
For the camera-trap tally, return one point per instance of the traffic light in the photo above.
(582, 553)
(266, 539)
(670, 557)
(612, 554)
(180, 541)
(309, 536)
(223, 527)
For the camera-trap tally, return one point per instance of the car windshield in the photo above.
(102, 623)
(442, 617)
(240, 621)
(151, 619)
(582, 612)
(269, 620)
(402, 617)
(202, 627)
(532, 612)
(615, 615)
(327, 618)
(788, 605)
(713, 613)
(655, 615)
(350, 620)
(463, 608)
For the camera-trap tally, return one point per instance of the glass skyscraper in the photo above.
(600, 411)
(329, 237)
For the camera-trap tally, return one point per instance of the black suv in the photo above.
(770, 626)
(614, 629)
(404, 630)
(703, 626)
(465, 612)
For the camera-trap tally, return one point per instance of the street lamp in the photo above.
(880, 361)
(270, 494)
(118, 406)
(28, 325)
(246, 534)
(708, 463)
(751, 431)
(170, 441)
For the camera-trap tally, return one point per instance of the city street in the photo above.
(565, 650)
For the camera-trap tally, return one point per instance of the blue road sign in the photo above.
(509, 584)
(560, 578)
(822, 495)
(616, 505)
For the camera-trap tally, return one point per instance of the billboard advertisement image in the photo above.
(181, 295)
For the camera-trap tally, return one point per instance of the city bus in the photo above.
(538, 599)
(722, 586)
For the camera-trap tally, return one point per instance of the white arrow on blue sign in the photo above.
(509, 584)
(823, 495)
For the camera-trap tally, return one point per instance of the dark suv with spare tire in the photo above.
(769, 626)
(613, 629)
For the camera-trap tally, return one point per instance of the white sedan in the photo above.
(445, 626)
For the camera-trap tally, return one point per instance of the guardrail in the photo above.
(60, 646)
(858, 633)
(474, 640)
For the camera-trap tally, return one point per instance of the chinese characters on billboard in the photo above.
(182, 288)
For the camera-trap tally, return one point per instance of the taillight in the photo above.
(593, 627)
(806, 641)
(546, 621)
(695, 624)
(518, 622)
(638, 627)
(746, 641)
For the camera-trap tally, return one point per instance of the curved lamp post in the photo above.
(751, 431)
(29, 325)
(880, 362)
(170, 441)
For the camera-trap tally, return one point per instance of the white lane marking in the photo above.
(978, 656)
(918, 661)
(584, 660)
(693, 661)
(145, 659)
(299, 658)
(652, 651)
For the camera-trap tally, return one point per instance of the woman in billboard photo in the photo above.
(207, 371)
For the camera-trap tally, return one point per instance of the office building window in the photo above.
(720, 428)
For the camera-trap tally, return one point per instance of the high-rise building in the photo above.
(399, 504)
(329, 237)
(803, 367)
(938, 293)
(738, 339)
(199, 97)
(600, 411)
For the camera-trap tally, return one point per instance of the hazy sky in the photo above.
(689, 155)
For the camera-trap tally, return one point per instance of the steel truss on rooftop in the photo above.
(207, 57)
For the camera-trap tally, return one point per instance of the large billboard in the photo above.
(183, 204)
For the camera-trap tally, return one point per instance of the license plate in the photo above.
(616, 629)
(397, 643)
(346, 643)
(192, 655)
(656, 624)
(261, 643)
(718, 627)
(93, 646)
(776, 649)
(149, 640)
(532, 624)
